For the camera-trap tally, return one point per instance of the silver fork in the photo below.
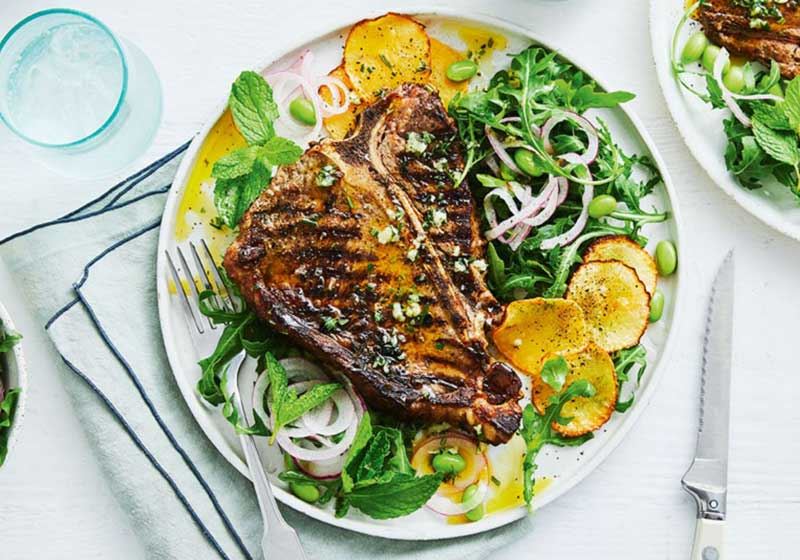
(279, 541)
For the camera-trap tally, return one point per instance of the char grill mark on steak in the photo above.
(409, 332)
(729, 26)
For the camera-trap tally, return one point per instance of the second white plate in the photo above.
(701, 128)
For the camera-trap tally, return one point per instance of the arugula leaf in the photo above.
(228, 346)
(779, 146)
(554, 372)
(401, 495)
(537, 431)
(624, 363)
(588, 98)
(233, 197)
(253, 109)
(8, 407)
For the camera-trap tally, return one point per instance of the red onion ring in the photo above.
(500, 150)
(727, 95)
(322, 470)
(591, 132)
(569, 236)
(528, 210)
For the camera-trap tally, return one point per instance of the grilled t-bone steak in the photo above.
(364, 254)
(729, 26)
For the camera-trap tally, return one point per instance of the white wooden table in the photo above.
(55, 504)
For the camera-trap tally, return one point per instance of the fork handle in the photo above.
(266, 501)
(709, 540)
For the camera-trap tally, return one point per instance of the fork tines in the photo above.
(206, 274)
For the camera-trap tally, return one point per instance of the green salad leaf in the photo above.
(9, 398)
(242, 174)
(554, 372)
(400, 495)
(537, 431)
(253, 109)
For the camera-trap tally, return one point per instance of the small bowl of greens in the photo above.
(13, 384)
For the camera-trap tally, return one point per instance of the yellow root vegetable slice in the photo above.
(627, 251)
(383, 53)
(341, 125)
(614, 301)
(443, 56)
(588, 413)
(533, 328)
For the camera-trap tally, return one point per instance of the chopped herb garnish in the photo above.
(326, 176)
(417, 142)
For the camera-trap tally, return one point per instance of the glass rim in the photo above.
(123, 89)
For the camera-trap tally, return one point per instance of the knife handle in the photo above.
(709, 540)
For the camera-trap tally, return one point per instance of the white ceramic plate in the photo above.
(14, 375)
(701, 128)
(565, 467)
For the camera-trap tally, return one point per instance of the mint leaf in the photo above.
(554, 372)
(781, 147)
(774, 116)
(791, 103)
(279, 151)
(372, 465)
(253, 109)
(362, 437)
(402, 495)
(293, 409)
(233, 197)
(235, 164)
(8, 407)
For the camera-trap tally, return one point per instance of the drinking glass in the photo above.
(86, 103)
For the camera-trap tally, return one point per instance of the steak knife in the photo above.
(707, 477)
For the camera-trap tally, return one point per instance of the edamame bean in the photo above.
(303, 111)
(656, 306)
(475, 514)
(448, 463)
(461, 70)
(694, 48)
(602, 205)
(710, 56)
(734, 79)
(506, 172)
(305, 491)
(666, 257)
(527, 163)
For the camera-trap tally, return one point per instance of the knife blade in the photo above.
(707, 477)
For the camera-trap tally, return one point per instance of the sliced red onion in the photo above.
(563, 190)
(492, 163)
(505, 196)
(528, 210)
(318, 454)
(569, 236)
(548, 210)
(500, 150)
(340, 96)
(591, 132)
(446, 506)
(308, 440)
(322, 470)
(727, 96)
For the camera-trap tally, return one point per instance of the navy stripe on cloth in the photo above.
(116, 193)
